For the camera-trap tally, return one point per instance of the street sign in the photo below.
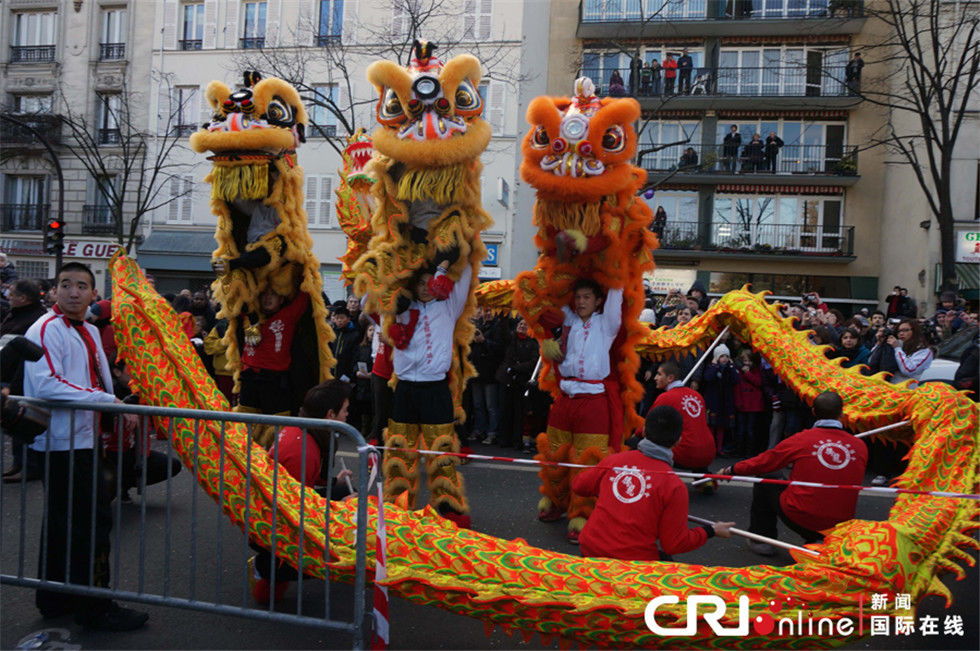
(491, 259)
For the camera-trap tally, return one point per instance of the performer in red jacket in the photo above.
(696, 449)
(641, 500)
(826, 454)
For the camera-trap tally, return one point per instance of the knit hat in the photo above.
(720, 349)
(647, 316)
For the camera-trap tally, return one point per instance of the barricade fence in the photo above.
(174, 546)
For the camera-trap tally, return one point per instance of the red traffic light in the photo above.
(55, 225)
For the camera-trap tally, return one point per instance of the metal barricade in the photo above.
(186, 536)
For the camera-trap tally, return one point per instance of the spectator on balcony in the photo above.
(689, 159)
(646, 79)
(773, 144)
(752, 154)
(660, 221)
(733, 140)
(852, 74)
(655, 73)
(685, 64)
(636, 64)
(670, 73)
(616, 86)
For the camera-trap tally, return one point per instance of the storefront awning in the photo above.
(968, 275)
(177, 250)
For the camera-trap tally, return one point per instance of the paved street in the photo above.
(503, 498)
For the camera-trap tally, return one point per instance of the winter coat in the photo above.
(748, 391)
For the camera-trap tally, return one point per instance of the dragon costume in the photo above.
(594, 601)
(263, 242)
(591, 225)
(428, 209)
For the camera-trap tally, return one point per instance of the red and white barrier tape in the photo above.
(873, 490)
(380, 638)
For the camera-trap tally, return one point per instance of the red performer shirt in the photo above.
(272, 351)
(642, 502)
(696, 447)
(291, 455)
(826, 455)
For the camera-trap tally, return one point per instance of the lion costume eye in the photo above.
(614, 139)
(468, 101)
(540, 138)
(390, 107)
(279, 113)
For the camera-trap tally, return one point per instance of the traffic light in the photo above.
(54, 235)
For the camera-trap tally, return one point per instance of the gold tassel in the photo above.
(444, 185)
(249, 181)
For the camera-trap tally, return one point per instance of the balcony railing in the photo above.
(98, 220)
(184, 129)
(323, 40)
(190, 44)
(31, 53)
(598, 11)
(251, 43)
(112, 51)
(23, 216)
(800, 81)
(14, 134)
(746, 159)
(761, 239)
(109, 137)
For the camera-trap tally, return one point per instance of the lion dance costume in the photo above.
(263, 242)
(355, 205)
(428, 209)
(590, 225)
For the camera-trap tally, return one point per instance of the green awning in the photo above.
(177, 250)
(968, 275)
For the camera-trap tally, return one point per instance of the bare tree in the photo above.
(931, 61)
(132, 167)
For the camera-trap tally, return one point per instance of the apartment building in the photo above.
(818, 216)
(60, 55)
(330, 43)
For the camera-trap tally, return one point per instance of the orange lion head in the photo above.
(580, 148)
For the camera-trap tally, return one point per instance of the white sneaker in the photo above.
(489, 439)
(880, 480)
(761, 548)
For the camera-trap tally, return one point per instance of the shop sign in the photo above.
(663, 280)
(968, 246)
(73, 248)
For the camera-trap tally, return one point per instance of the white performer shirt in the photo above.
(429, 354)
(587, 348)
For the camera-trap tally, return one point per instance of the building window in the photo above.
(185, 110)
(32, 104)
(254, 37)
(681, 230)
(323, 121)
(33, 269)
(656, 134)
(331, 22)
(107, 116)
(113, 44)
(785, 223)
(193, 32)
(181, 199)
(319, 201)
(25, 203)
(33, 37)
(97, 218)
(477, 16)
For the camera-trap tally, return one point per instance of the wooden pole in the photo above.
(756, 537)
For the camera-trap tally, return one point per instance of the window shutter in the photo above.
(272, 23)
(173, 208)
(170, 11)
(304, 28)
(486, 15)
(496, 107)
(399, 21)
(210, 24)
(469, 20)
(231, 25)
(312, 195)
(187, 200)
(326, 201)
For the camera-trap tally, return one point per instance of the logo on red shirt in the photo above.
(630, 485)
(691, 406)
(833, 454)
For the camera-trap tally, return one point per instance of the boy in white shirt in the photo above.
(585, 413)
